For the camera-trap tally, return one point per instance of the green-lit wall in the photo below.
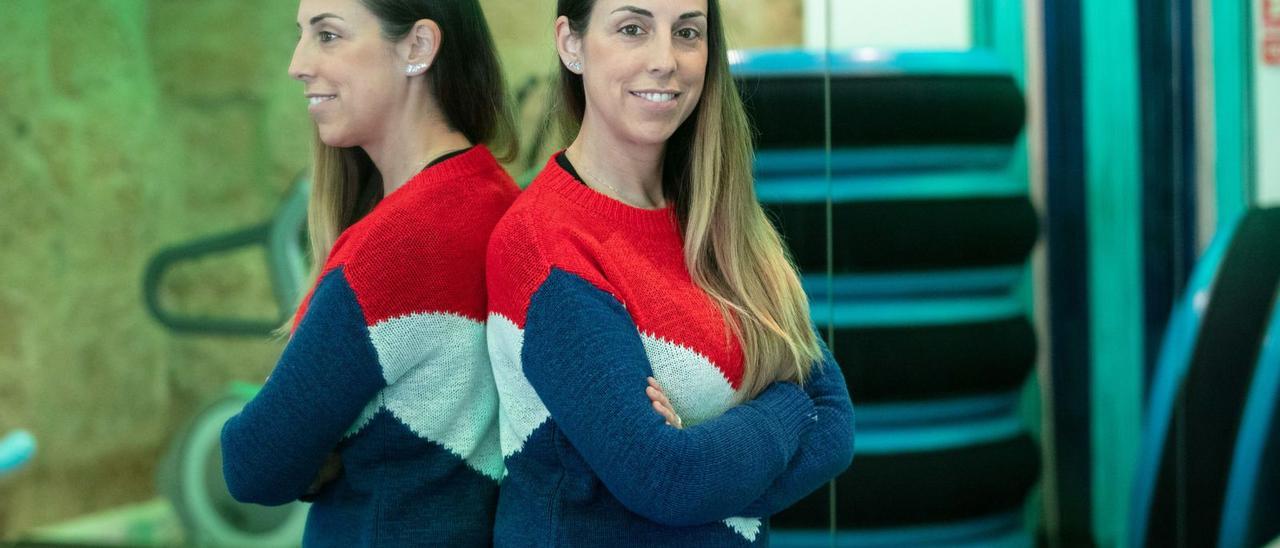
(125, 126)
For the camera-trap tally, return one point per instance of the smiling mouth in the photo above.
(656, 97)
(317, 99)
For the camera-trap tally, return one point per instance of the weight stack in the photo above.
(930, 236)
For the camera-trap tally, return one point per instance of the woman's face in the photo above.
(643, 65)
(353, 76)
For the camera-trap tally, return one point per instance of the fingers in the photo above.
(658, 397)
(659, 403)
(661, 396)
(330, 471)
(666, 413)
(663, 405)
(332, 467)
(669, 415)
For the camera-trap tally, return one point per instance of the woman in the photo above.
(641, 252)
(386, 370)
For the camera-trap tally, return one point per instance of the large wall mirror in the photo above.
(889, 152)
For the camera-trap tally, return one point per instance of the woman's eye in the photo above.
(689, 34)
(326, 36)
(631, 30)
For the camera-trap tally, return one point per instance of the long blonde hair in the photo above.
(732, 251)
(465, 80)
(345, 186)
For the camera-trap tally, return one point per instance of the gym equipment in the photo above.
(190, 473)
(280, 237)
(1210, 417)
(930, 234)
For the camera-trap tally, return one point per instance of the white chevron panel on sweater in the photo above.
(749, 528)
(370, 409)
(442, 386)
(405, 342)
(697, 388)
(522, 409)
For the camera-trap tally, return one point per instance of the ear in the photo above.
(568, 45)
(420, 46)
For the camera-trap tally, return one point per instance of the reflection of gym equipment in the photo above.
(190, 474)
(280, 237)
(16, 450)
(929, 239)
(1251, 511)
(1212, 415)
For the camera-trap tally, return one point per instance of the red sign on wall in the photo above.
(1271, 49)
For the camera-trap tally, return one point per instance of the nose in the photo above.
(662, 60)
(300, 66)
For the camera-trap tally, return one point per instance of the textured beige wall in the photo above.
(125, 126)
(128, 125)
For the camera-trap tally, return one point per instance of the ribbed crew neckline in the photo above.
(573, 189)
(455, 166)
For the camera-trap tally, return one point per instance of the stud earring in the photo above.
(576, 66)
(415, 69)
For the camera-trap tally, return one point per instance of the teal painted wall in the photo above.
(1233, 107)
(1114, 198)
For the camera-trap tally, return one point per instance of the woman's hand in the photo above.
(330, 471)
(662, 405)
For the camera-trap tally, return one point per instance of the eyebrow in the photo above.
(322, 17)
(635, 10)
(649, 14)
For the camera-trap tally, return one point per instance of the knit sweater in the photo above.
(387, 366)
(589, 296)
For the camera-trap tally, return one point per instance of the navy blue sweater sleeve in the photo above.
(584, 357)
(273, 449)
(826, 449)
